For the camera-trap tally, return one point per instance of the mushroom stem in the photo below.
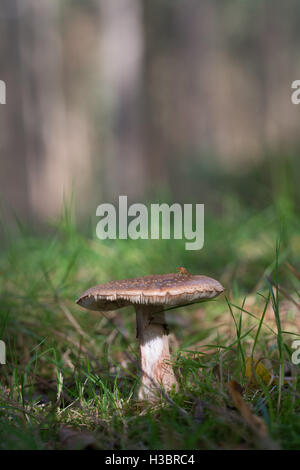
(152, 333)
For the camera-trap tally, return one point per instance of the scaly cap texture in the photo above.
(160, 289)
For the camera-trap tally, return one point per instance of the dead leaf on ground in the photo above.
(73, 439)
(255, 371)
(256, 423)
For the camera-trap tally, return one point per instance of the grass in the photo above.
(71, 375)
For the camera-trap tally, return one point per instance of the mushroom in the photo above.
(150, 295)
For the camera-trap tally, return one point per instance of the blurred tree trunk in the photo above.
(43, 106)
(180, 60)
(121, 53)
(13, 165)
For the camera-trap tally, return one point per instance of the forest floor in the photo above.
(71, 375)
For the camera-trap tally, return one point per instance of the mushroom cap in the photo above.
(159, 289)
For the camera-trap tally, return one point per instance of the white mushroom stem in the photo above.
(152, 333)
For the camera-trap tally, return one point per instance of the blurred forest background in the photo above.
(146, 98)
(185, 101)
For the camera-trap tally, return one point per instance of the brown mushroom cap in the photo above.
(161, 289)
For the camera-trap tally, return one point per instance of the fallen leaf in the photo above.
(256, 423)
(254, 369)
(72, 439)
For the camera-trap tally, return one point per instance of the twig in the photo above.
(284, 292)
(293, 270)
(72, 320)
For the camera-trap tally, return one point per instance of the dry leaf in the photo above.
(72, 439)
(255, 369)
(256, 423)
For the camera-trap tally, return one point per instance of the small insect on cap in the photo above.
(159, 289)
